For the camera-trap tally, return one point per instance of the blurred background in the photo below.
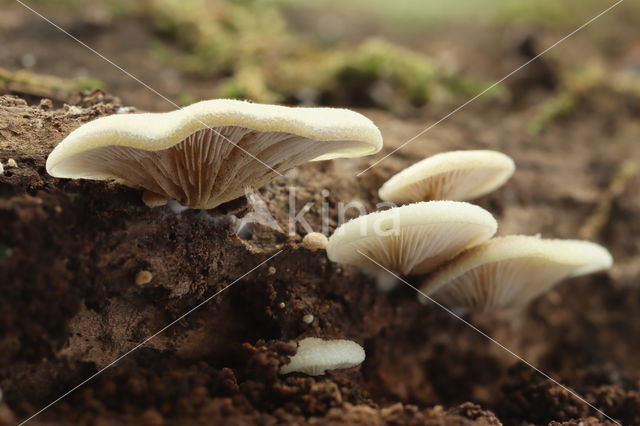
(400, 56)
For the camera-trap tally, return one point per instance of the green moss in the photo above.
(553, 108)
(576, 85)
(231, 89)
(248, 49)
(25, 81)
(383, 74)
(89, 84)
(186, 99)
(377, 63)
(247, 44)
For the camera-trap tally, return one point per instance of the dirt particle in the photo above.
(143, 277)
(125, 110)
(73, 110)
(272, 270)
(45, 104)
(6, 415)
(151, 418)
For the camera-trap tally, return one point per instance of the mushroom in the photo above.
(315, 356)
(412, 239)
(455, 175)
(511, 271)
(315, 241)
(209, 152)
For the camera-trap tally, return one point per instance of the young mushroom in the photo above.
(412, 239)
(315, 356)
(209, 152)
(455, 175)
(511, 271)
(315, 241)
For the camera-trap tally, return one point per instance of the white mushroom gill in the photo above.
(315, 356)
(210, 152)
(511, 271)
(454, 175)
(412, 239)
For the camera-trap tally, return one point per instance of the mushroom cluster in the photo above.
(213, 151)
(451, 241)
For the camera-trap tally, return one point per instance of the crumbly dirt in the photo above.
(69, 303)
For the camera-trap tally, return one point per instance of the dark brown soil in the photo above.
(70, 304)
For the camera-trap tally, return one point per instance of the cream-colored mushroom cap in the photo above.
(511, 271)
(412, 239)
(315, 356)
(455, 175)
(199, 155)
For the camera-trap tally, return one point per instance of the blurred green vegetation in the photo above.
(248, 50)
(48, 86)
(411, 15)
(248, 46)
(579, 84)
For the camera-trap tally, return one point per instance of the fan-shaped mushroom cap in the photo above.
(455, 175)
(513, 270)
(412, 239)
(315, 356)
(199, 155)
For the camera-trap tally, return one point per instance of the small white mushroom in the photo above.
(455, 175)
(308, 319)
(315, 241)
(11, 163)
(511, 271)
(211, 151)
(315, 356)
(412, 239)
(1, 168)
(176, 207)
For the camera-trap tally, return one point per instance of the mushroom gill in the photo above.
(412, 239)
(511, 271)
(454, 175)
(210, 152)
